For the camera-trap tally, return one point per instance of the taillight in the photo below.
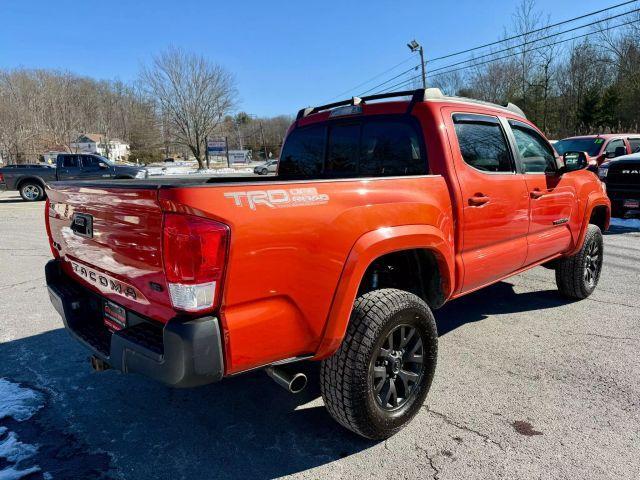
(1, 178)
(48, 213)
(194, 252)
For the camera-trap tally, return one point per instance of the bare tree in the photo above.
(192, 93)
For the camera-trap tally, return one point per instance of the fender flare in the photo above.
(594, 200)
(26, 178)
(369, 247)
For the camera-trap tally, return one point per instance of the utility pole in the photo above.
(264, 146)
(206, 150)
(416, 47)
(226, 147)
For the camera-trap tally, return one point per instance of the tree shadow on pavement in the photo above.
(242, 427)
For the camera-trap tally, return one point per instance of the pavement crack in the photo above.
(610, 337)
(2, 287)
(453, 423)
(436, 470)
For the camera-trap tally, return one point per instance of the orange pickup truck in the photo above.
(383, 208)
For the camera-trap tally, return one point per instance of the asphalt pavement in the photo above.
(528, 386)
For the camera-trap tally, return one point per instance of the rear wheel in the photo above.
(378, 379)
(31, 191)
(577, 276)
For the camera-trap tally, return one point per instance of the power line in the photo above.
(371, 79)
(391, 79)
(570, 20)
(506, 56)
(534, 41)
(546, 28)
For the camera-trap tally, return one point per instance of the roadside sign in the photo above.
(216, 146)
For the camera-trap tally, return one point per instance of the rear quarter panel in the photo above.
(289, 247)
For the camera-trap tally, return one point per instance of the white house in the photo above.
(96, 143)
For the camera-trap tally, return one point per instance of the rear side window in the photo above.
(70, 161)
(635, 145)
(483, 144)
(371, 147)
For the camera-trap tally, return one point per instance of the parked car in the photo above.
(622, 176)
(31, 180)
(380, 213)
(269, 167)
(600, 148)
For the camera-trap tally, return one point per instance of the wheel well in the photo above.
(414, 270)
(35, 180)
(599, 217)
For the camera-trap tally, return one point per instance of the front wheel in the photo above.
(577, 276)
(378, 379)
(31, 192)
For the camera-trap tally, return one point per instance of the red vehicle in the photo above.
(380, 212)
(600, 148)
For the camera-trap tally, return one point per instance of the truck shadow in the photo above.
(499, 298)
(242, 427)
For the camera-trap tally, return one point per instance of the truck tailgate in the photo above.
(110, 240)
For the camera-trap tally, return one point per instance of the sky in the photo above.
(284, 55)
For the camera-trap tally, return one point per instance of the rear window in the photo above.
(371, 147)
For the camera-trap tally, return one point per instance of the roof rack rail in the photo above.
(419, 95)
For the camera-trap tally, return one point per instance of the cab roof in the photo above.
(420, 95)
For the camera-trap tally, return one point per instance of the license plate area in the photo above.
(632, 203)
(114, 316)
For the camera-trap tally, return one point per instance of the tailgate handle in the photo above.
(82, 225)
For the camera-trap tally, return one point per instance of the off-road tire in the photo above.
(31, 191)
(346, 381)
(570, 271)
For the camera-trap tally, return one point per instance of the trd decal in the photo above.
(280, 198)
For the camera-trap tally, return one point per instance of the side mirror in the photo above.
(574, 161)
(103, 165)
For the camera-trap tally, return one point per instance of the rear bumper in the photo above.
(182, 353)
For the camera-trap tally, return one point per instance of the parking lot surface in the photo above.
(528, 385)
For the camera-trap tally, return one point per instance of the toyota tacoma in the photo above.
(383, 208)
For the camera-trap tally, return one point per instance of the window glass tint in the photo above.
(342, 154)
(635, 145)
(483, 144)
(365, 148)
(70, 161)
(612, 145)
(390, 148)
(90, 162)
(590, 145)
(535, 153)
(302, 155)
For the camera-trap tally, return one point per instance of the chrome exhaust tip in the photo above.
(292, 382)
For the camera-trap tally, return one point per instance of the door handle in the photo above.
(536, 194)
(478, 200)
